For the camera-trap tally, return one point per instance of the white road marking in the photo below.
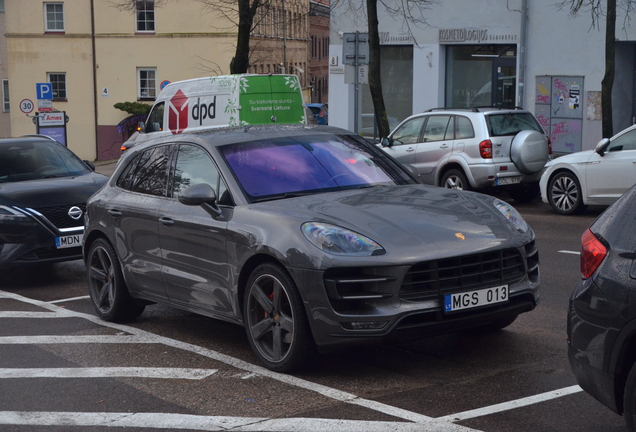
(178, 421)
(506, 406)
(108, 372)
(212, 423)
(70, 299)
(570, 252)
(10, 314)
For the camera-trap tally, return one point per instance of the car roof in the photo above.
(483, 110)
(228, 135)
(27, 139)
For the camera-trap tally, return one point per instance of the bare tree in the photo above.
(595, 8)
(411, 13)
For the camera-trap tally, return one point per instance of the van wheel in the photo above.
(275, 320)
(455, 179)
(629, 400)
(107, 287)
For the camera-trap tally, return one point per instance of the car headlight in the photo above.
(510, 213)
(9, 214)
(340, 241)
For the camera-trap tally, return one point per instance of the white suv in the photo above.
(474, 148)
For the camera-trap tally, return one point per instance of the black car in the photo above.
(43, 192)
(309, 236)
(602, 311)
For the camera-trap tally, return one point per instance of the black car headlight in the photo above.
(340, 241)
(7, 214)
(510, 213)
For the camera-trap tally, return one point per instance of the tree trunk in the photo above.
(240, 62)
(610, 67)
(375, 79)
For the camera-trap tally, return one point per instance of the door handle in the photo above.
(410, 149)
(444, 146)
(115, 213)
(166, 221)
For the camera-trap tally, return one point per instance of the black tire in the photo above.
(455, 179)
(106, 285)
(629, 401)
(526, 193)
(564, 193)
(275, 320)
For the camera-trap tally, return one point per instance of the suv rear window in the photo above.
(511, 123)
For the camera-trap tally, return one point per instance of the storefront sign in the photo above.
(51, 119)
(386, 38)
(473, 36)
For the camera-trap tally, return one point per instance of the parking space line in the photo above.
(70, 299)
(569, 252)
(507, 406)
(10, 314)
(215, 423)
(108, 372)
(141, 336)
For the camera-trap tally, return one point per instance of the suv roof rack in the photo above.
(473, 109)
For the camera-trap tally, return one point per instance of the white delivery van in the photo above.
(220, 101)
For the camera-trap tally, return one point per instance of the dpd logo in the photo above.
(178, 113)
(201, 111)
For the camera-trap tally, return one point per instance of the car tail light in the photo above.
(485, 149)
(592, 253)
(549, 146)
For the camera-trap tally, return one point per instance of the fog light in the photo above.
(364, 325)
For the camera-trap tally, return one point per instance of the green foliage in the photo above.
(134, 108)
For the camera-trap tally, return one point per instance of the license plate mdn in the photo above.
(68, 241)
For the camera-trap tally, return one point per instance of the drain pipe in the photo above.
(94, 78)
(521, 72)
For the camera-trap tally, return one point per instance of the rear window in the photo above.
(511, 123)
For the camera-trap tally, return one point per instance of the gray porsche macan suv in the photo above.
(308, 236)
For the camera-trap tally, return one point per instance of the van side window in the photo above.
(194, 166)
(155, 118)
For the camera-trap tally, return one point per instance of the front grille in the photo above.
(59, 217)
(432, 279)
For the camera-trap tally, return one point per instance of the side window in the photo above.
(194, 166)
(155, 119)
(409, 132)
(436, 127)
(463, 128)
(151, 175)
(627, 141)
(125, 180)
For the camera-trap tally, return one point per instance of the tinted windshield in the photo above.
(308, 164)
(511, 123)
(31, 160)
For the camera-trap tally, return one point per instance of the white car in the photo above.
(592, 177)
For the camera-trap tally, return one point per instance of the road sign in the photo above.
(26, 105)
(164, 83)
(44, 91)
(45, 105)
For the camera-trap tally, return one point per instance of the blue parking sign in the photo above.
(44, 91)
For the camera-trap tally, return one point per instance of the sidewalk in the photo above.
(105, 167)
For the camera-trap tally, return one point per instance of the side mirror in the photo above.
(141, 127)
(89, 165)
(386, 142)
(601, 146)
(202, 195)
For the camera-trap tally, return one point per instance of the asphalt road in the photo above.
(61, 369)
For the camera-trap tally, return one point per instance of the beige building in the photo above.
(96, 54)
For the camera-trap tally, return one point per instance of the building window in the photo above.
(58, 82)
(1, 5)
(5, 96)
(146, 83)
(145, 12)
(54, 17)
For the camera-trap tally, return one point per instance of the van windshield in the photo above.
(511, 123)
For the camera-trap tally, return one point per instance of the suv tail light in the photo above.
(549, 146)
(485, 149)
(592, 253)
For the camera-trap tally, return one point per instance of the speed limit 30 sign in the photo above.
(26, 106)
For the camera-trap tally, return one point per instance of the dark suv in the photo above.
(602, 311)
